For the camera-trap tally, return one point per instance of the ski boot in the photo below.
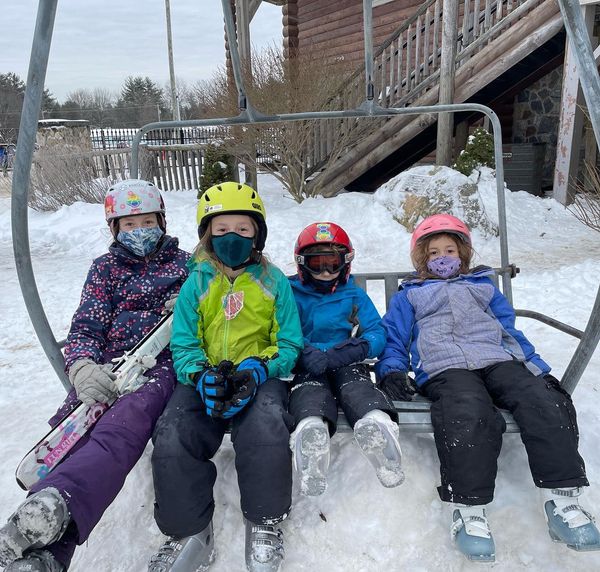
(36, 561)
(40, 520)
(264, 547)
(310, 445)
(471, 533)
(190, 554)
(377, 436)
(568, 522)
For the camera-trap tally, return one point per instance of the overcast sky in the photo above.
(98, 43)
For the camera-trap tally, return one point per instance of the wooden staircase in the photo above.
(494, 37)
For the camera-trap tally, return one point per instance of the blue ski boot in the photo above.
(568, 522)
(471, 533)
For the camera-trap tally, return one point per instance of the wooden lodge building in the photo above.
(507, 54)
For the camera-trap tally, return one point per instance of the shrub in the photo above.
(479, 152)
(217, 167)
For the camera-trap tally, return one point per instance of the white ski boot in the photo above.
(40, 520)
(568, 522)
(36, 561)
(378, 437)
(264, 547)
(310, 446)
(471, 533)
(190, 554)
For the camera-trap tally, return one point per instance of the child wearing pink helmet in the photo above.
(455, 331)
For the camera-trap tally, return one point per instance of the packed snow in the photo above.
(357, 524)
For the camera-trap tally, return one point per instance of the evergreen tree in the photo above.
(217, 167)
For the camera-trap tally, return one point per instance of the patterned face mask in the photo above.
(444, 266)
(141, 241)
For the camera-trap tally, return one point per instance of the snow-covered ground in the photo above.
(357, 524)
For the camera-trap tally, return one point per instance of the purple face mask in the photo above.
(444, 266)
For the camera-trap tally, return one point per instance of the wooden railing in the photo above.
(407, 64)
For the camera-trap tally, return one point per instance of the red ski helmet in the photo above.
(440, 224)
(323, 234)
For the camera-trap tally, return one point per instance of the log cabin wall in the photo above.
(335, 29)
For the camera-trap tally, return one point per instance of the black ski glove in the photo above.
(398, 386)
(349, 351)
(313, 360)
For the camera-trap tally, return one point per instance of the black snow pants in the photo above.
(186, 438)
(350, 387)
(468, 429)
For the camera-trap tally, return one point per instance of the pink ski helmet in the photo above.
(440, 224)
(133, 197)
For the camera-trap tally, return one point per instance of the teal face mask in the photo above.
(232, 249)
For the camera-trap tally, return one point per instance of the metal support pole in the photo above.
(590, 85)
(368, 35)
(174, 97)
(32, 103)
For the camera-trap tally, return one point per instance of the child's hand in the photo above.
(313, 360)
(211, 384)
(93, 382)
(397, 386)
(249, 374)
(350, 351)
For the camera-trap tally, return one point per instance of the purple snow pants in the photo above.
(93, 473)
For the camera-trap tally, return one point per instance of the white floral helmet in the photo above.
(133, 197)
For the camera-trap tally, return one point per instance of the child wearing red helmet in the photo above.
(454, 329)
(341, 328)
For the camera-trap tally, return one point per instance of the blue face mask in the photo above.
(232, 249)
(141, 241)
(444, 266)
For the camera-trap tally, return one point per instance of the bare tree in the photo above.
(586, 206)
(290, 151)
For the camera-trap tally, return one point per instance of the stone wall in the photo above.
(536, 116)
(63, 136)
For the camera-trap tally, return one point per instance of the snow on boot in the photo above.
(310, 446)
(471, 533)
(190, 554)
(377, 436)
(264, 547)
(568, 522)
(39, 521)
(36, 561)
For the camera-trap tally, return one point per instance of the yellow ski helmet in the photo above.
(232, 198)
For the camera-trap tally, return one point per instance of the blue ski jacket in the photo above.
(464, 322)
(328, 319)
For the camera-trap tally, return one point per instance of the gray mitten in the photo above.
(93, 383)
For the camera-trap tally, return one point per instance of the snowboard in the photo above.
(48, 452)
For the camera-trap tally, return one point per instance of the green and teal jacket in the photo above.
(216, 319)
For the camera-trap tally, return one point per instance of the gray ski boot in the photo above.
(471, 533)
(40, 520)
(377, 436)
(264, 547)
(568, 522)
(310, 446)
(36, 561)
(190, 554)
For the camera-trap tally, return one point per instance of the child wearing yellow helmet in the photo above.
(236, 333)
